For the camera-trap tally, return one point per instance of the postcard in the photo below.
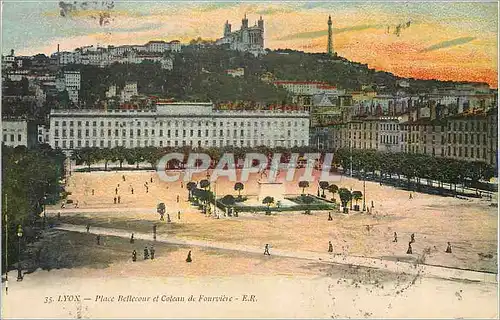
(244, 159)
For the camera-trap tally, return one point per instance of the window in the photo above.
(18, 137)
(57, 123)
(94, 132)
(71, 131)
(94, 123)
(138, 132)
(56, 133)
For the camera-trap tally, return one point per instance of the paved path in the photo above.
(393, 266)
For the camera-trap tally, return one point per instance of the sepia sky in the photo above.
(444, 40)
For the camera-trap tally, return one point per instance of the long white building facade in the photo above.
(175, 125)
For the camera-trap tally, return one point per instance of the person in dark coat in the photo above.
(92, 191)
(119, 199)
(412, 238)
(330, 246)
(132, 190)
(114, 200)
(177, 198)
(188, 259)
(154, 231)
(98, 238)
(151, 179)
(146, 253)
(123, 177)
(88, 228)
(132, 238)
(395, 237)
(266, 250)
(448, 249)
(330, 216)
(179, 215)
(409, 251)
(168, 218)
(116, 190)
(134, 256)
(152, 251)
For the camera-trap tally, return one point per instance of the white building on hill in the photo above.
(177, 124)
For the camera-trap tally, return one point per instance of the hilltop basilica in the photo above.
(249, 39)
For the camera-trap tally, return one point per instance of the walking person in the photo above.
(330, 216)
(266, 250)
(88, 228)
(188, 259)
(114, 199)
(152, 251)
(182, 185)
(330, 246)
(147, 189)
(151, 179)
(134, 256)
(146, 253)
(177, 198)
(98, 238)
(116, 190)
(92, 191)
(448, 249)
(123, 177)
(132, 238)
(168, 218)
(412, 238)
(154, 232)
(132, 190)
(395, 237)
(179, 215)
(119, 199)
(409, 251)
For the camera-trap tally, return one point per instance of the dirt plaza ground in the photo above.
(314, 288)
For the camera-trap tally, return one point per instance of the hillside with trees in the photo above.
(199, 73)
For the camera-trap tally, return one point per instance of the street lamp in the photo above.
(44, 211)
(19, 236)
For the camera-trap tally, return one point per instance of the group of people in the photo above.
(148, 253)
(412, 240)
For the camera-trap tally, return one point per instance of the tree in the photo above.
(238, 186)
(107, 155)
(357, 195)
(323, 185)
(333, 188)
(345, 196)
(161, 209)
(303, 185)
(190, 187)
(204, 184)
(118, 154)
(268, 201)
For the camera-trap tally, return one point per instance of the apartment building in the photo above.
(177, 124)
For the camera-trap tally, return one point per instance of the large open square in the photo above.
(365, 264)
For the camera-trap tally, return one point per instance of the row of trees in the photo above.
(152, 155)
(414, 166)
(363, 162)
(30, 179)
